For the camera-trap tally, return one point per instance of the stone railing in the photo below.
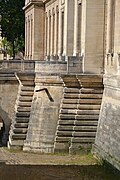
(17, 65)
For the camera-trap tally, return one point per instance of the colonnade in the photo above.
(58, 20)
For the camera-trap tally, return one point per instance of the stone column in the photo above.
(75, 50)
(110, 26)
(68, 38)
(51, 43)
(56, 33)
(25, 37)
(65, 43)
(30, 34)
(48, 36)
(60, 34)
(31, 37)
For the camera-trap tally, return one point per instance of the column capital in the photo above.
(53, 11)
(79, 1)
(57, 9)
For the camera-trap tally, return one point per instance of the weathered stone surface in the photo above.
(20, 121)
(107, 142)
(44, 114)
(8, 95)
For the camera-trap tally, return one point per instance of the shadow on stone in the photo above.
(61, 172)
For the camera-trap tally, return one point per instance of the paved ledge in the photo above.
(20, 158)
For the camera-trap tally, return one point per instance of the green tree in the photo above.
(12, 23)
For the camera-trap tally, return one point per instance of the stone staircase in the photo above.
(79, 113)
(22, 111)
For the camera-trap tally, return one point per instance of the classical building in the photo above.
(57, 30)
(72, 51)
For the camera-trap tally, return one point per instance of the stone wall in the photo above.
(107, 143)
(44, 114)
(8, 95)
(94, 37)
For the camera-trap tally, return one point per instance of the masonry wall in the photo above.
(8, 95)
(94, 36)
(34, 32)
(107, 143)
(44, 114)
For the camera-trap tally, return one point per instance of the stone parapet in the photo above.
(17, 65)
(57, 67)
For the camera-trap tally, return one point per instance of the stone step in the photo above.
(87, 117)
(66, 122)
(71, 90)
(26, 98)
(89, 107)
(62, 139)
(28, 83)
(84, 134)
(71, 96)
(70, 101)
(85, 128)
(88, 112)
(64, 128)
(8, 74)
(91, 91)
(91, 85)
(68, 106)
(24, 104)
(90, 78)
(71, 116)
(23, 109)
(68, 111)
(8, 78)
(27, 88)
(72, 85)
(90, 101)
(22, 119)
(83, 140)
(86, 123)
(22, 114)
(26, 93)
(64, 133)
(66, 116)
(18, 136)
(20, 130)
(27, 78)
(21, 125)
(91, 96)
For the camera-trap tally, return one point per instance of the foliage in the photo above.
(13, 23)
(7, 46)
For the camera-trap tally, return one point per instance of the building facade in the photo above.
(73, 49)
(58, 29)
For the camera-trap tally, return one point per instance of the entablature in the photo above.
(29, 3)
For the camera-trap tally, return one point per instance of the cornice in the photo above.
(34, 2)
